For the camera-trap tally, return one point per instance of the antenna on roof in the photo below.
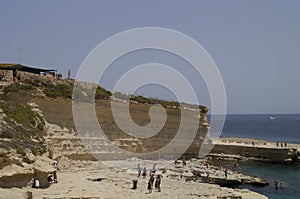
(20, 53)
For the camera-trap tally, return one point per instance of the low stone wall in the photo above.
(260, 153)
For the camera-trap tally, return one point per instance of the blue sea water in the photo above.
(289, 174)
(284, 128)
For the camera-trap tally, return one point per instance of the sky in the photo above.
(255, 44)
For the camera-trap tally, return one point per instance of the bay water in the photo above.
(281, 128)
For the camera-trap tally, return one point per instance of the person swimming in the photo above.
(275, 183)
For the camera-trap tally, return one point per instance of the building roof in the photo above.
(19, 67)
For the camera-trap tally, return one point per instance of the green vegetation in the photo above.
(22, 126)
(164, 103)
(16, 88)
(82, 94)
(101, 93)
(26, 86)
(204, 109)
(120, 95)
(143, 100)
(11, 88)
(20, 150)
(22, 115)
(61, 90)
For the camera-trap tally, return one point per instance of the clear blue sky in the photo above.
(254, 43)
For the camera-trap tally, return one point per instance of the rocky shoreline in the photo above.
(92, 179)
(199, 178)
(201, 170)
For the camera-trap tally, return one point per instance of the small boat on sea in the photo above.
(272, 118)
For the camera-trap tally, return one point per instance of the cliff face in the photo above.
(51, 98)
(66, 141)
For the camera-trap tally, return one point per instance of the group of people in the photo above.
(152, 180)
(276, 183)
(156, 184)
(142, 171)
(52, 178)
(281, 144)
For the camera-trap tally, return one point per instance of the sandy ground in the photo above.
(77, 182)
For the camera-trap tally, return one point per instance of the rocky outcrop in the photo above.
(21, 176)
(199, 170)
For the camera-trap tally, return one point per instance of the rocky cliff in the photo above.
(36, 122)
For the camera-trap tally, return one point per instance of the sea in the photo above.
(281, 128)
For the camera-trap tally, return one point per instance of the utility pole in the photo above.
(20, 53)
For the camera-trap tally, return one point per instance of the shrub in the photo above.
(120, 95)
(26, 86)
(61, 90)
(20, 150)
(101, 93)
(16, 88)
(204, 109)
(34, 150)
(11, 88)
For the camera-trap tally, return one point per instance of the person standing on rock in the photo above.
(226, 173)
